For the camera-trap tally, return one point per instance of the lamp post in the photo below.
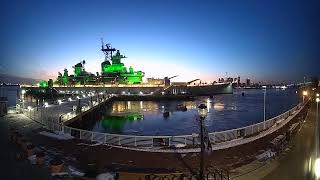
(317, 162)
(202, 110)
(264, 106)
(23, 92)
(304, 93)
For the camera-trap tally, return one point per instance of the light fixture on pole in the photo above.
(317, 100)
(304, 93)
(23, 92)
(264, 106)
(317, 162)
(202, 110)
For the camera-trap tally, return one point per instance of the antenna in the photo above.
(107, 50)
(102, 43)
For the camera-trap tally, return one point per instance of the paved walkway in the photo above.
(11, 168)
(294, 163)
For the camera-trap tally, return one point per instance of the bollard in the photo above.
(40, 158)
(23, 141)
(11, 133)
(30, 150)
(18, 139)
(56, 165)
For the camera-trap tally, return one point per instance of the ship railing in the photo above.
(141, 141)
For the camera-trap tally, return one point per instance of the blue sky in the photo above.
(261, 40)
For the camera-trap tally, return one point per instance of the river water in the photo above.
(168, 118)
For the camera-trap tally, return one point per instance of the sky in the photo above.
(266, 41)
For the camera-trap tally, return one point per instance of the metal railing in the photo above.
(136, 141)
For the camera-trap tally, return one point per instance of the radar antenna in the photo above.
(107, 50)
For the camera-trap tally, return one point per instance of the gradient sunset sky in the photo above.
(262, 40)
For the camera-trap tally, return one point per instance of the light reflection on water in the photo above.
(170, 117)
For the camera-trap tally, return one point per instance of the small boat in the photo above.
(166, 114)
(181, 107)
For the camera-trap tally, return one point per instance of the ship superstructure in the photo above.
(113, 71)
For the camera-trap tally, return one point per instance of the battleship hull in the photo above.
(204, 90)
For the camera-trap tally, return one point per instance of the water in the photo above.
(224, 112)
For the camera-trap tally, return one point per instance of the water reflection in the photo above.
(218, 106)
(179, 117)
(116, 123)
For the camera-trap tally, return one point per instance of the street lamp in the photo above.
(202, 110)
(317, 100)
(29, 109)
(264, 106)
(317, 166)
(23, 92)
(304, 93)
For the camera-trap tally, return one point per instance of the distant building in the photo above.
(248, 82)
(155, 81)
(3, 106)
(11, 93)
(229, 80)
(238, 81)
(221, 80)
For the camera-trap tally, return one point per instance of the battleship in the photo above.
(115, 77)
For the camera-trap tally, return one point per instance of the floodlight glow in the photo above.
(46, 104)
(317, 167)
(317, 100)
(78, 97)
(123, 92)
(69, 99)
(317, 94)
(101, 93)
(305, 93)
(84, 96)
(59, 101)
(23, 91)
(29, 108)
(141, 92)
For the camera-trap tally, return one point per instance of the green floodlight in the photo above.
(43, 84)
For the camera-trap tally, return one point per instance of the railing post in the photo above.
(119, 140)
(214, 138)
(224, 134)
(152, 142)
(169, 141)
(135, 141)
(80, 136)
(185, 141)
(91, 136)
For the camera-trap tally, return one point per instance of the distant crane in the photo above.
(173, 76)
(167, 80)
(193, 81)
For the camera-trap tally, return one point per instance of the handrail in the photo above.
(148, 141)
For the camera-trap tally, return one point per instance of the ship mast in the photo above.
(107, 50)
